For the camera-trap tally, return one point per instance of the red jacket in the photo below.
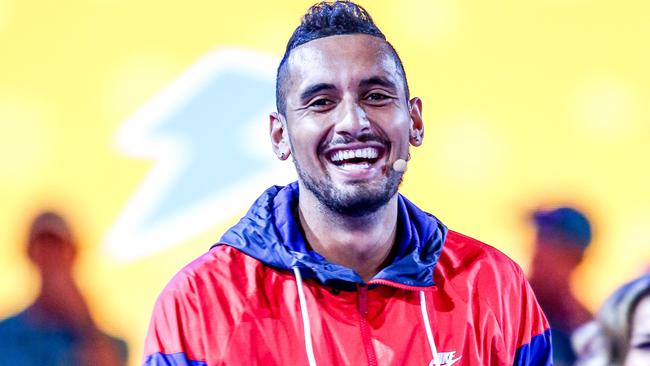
(444, 293)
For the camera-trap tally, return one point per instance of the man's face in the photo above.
(348, 120)
(638, 352)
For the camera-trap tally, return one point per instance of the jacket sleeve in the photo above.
(534, 338)
(175, 332)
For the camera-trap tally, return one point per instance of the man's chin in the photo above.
(352, 197)
(358, 199)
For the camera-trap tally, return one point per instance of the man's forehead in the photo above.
(341, 58)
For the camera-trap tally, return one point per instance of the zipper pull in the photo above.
(362, 290)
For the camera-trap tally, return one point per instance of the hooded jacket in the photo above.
(260, 296)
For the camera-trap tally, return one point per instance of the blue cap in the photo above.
(566, 222)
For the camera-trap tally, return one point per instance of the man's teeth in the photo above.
(365, 153)
(362, 165)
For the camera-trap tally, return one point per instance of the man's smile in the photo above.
(356, 160)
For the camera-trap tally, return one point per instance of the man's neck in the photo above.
(362, 244)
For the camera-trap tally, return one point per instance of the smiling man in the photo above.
(339, 268)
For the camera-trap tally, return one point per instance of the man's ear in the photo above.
(416, 130)
(279, 136)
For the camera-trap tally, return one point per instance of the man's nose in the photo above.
(352, 119)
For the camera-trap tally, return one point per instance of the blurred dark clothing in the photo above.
(563, 354)
(564, 316)
(32, 337)
(57, 329)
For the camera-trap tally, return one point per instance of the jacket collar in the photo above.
(271, 233)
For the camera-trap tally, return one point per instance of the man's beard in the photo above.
(365, 199)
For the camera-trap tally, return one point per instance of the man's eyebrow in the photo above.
(315, 89)
(378, 80)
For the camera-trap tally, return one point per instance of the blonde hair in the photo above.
(605, 340)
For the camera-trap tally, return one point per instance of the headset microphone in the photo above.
(399, 165)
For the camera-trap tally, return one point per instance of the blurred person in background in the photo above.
(620, 333)
(562, 236)
(57, 329)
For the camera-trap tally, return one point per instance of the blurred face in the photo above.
(556, 253)
(639, 351)
(52, 254)
(348, 120)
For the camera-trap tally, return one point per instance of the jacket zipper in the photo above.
(400, 285)
(362, 290)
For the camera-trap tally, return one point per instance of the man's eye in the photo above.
(320, 103)
(642, 345)
(376, 96)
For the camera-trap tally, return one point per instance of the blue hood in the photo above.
(271, 233)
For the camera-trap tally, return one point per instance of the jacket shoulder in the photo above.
(221, 265)
(463, 252)
(213, 285)
(479, 274)
(478, 271)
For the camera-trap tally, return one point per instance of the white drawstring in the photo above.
(307, 330)
(427, 327)
(305, 318)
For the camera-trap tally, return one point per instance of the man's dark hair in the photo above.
(326, 19)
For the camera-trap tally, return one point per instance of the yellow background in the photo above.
(524, 102)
